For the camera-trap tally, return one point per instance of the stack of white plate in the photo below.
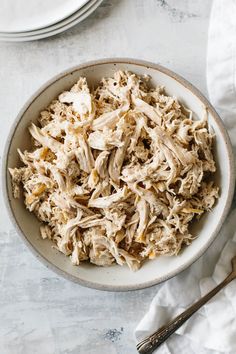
(26, 20)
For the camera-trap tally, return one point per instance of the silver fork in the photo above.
(152, 342)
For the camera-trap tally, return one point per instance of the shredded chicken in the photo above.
(119, 173)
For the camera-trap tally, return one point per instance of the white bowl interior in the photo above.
(116, 277)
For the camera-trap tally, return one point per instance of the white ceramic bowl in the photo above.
(118, 278)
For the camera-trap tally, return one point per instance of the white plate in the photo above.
(27, 15)
(58, 29)
(53, 27)
(117, 277)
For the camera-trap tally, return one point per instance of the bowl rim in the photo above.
(194, 91)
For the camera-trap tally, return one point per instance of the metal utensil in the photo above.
(150, 343)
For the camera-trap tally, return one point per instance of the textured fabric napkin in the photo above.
(212, 330)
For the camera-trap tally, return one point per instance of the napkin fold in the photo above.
(212, 330)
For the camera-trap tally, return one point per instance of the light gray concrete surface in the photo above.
(41, 313)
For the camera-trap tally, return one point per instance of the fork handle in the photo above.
(149, 344)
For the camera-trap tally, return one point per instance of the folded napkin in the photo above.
(212, 330)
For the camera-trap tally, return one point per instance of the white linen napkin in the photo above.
(212, 330)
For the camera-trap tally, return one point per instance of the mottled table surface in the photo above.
(41, 313)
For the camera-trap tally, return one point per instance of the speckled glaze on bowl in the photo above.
(116, 278)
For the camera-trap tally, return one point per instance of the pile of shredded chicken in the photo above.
(117, 174)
